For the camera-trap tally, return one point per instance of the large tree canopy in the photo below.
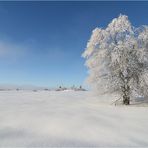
(117, 58)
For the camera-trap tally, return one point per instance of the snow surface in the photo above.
(69, 119)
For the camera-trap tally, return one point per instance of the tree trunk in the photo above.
(126, 100)
(125, 89)
(126, 96)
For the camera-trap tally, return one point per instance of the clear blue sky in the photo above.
(41, 42)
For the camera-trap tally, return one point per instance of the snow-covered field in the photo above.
(69, 119)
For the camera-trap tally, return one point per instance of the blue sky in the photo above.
(41, 42)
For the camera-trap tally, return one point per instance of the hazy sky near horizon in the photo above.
(41, 42)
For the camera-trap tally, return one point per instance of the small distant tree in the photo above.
(117, 59)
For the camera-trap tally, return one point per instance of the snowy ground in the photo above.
(69, 119)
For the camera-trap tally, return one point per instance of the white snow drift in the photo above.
(50, 118)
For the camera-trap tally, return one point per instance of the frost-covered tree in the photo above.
(117, 59)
